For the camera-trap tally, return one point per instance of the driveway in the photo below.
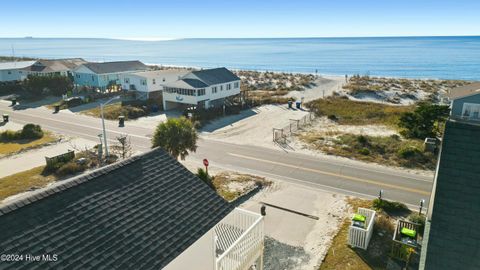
(299, 226)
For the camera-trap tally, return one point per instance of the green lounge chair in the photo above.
(408, 232)
(358, 217)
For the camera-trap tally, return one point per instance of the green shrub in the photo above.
(202, 174)
(9, 135)
(408, 152)
(363, 140)
(31, 131)
(419, 219)
(332, 117)
(395, 137)
(69, 169)
(364, 151)
(389, 207)
(424, 121)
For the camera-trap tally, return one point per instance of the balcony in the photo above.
(239, 241)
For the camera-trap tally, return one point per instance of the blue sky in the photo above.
(143, 19)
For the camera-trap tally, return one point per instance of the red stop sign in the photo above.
(205, 162)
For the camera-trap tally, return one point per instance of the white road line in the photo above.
(303, 183)
(318, 159)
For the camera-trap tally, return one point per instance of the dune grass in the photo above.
(113, 111)
(391, 150)
(357, 84)
(24, 181)
(11, 147)
(221, 183)
(351, 112)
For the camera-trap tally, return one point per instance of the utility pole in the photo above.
(102, 105)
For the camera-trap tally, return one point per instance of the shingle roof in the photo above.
(215, 76)
(16, 65)
(136, 214)
(168, 74)
(466, 90)
(57, 65)
(113, 67)
(186, 84)
(454, 235)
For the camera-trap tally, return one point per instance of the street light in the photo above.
(422, 202)
(102, 105)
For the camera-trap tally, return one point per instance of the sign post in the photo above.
(205, 162)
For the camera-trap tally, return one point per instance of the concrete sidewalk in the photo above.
(300, 224)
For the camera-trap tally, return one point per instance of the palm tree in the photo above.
(177, 136)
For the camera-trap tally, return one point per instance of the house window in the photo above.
(236, 85)
(9, 72)
(93, 78)
(221, 87)
(153, 81)
(201, 92)
(78, 76)
(229, 86)
(127, 80)
(143, 82)
(214, 90)
(471, 110)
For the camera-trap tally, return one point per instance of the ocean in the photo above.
(410, 57)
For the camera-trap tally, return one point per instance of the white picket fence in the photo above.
(360, 237)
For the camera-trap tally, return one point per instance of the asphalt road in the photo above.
(337, 176)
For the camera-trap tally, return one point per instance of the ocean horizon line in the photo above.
(156, 39)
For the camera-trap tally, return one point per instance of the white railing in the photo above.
(360, 237)
(239, 240)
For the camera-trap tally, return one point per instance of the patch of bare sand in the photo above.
(324, 87)
(252, 127)
(311, 237)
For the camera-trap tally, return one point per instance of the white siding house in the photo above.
(18, 71)
(14, 71)
(148, 84)
(205, 88)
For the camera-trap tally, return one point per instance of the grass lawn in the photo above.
(19, 145)
(24, 181)
(351, 112)
(391, 150)
(340, 256)
(113, 111)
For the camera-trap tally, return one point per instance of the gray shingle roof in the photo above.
(215, 76)
(454, 235)
(136, 214)
(114, 67)
(57, 65)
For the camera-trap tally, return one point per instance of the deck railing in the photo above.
(239, 240)
(360, 237)
(400, 249)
